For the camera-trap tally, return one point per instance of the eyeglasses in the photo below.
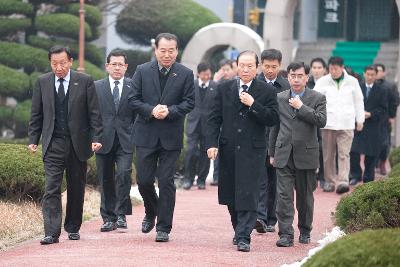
(114, 65)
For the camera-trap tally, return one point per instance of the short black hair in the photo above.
(247, 52)
(380, 65)
(168, 36)
(338, 61)
(117, 53)
(371, 67)
(298, 65)
(203, 66)
(57, 49)
(224, 62)
(271, 54)
(320, 60)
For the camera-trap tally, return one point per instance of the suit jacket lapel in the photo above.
(72, 90)
(156, 78)
(107, 93)
(170, 81)
(124, 93)
(50, 90)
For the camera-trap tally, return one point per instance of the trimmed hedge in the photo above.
(21, 173)
(22, 112)
(370, 206)
(92, 53)
(93, 15)
(65, 25)
(9, 7)
(395, 171)
(11, 26)
(91, 69)
(142, 20)
(394, 157)
(13, 82)
(6, 114)
(17, 56)
(365, 249)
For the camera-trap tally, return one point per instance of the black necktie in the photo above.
(164, 71)
(244, 87)
(61, 91)
(116, 95)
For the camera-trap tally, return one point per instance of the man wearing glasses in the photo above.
(114, 159)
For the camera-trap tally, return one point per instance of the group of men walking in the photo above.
(263, 128)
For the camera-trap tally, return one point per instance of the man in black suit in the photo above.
(293, 148)
(65, 113)
(240, 111)
(196, 155)
(114, 159)
(266, 219)
(163, 93)
(368, 141)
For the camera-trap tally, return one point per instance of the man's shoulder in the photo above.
(283, 83)
(46, 76)
(283, 93)
(182, 68)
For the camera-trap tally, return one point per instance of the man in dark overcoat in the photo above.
(241, 110)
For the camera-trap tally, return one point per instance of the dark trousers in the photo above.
(355, 168)
(149, 162)
(304, 182)
(216, 169)
(196, 159)
(114, 173)
(243, 222)
(61, 156)
(266, 209)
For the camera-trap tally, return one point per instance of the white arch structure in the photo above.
(206, 40)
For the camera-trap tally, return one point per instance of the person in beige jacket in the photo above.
(345, 111)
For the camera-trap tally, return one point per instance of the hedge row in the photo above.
(6, 114)
(93, 15)
(92, 53)
(394, 157)
(91, 69)
(13, 82)
(9, 7)
(11, 26)
(65, 25)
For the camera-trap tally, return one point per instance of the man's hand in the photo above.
(32, 148)
(212, 153)
(359, 126)
(271, 160)
(367, 114)
(391, 121)
(160, 112)
(295, 102)
(96, 147)
(246, 99)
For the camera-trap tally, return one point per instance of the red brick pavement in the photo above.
(201, 236)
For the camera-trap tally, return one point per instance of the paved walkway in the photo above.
(201, 236)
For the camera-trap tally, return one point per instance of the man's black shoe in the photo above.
(234, 241)
(285, 241)
(148, 224)
(108, 227)
(47, 240)
(201, 186)
(121, 223)
(304, 239)
(353, 181)
(187, 185)
(244, 247)
(342, 188)
(328, 187)
(162, 237)
(260, 226)
(270, 228)
(74, 236)
(214, 183)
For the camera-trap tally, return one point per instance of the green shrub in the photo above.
(135, 58)
(394, 157)
(6, 114)
(65, 25)
(33, 78)
(92, 53)
(370, 206)
(395, 171)
(9, 7)
(364, 249)
(91, 174)
(13, 82)
(91, 69)
(11, 26)
(22, 112)
(142, 20)
(93, 15)
(23, 56)
(21, 172)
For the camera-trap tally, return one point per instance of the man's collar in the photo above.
(66, 78)
(248, 84)
(112, 80)
(206, 83)
(160, 67)
(270, 81)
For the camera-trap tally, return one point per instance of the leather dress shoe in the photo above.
(47, 240)
(304, 238)
(353, 181)
(201, 186)
(270, 228)
(108, 227)
(187, 185)
(162, 237)
(74, 236)
(234, 241)
(342, 188)
(214, 183)
(285, 241)
(244, 247)
(148, 224)
(121, 223)
(260, 226)
(328, 187)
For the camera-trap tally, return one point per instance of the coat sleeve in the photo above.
(380, 111)
(273, 135)
(95, 121)
(267, 112)
(315, 116)
(214, 120)
(36, 121)
(187, 104)
(358, 100)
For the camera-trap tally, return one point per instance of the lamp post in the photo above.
(81, 56)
